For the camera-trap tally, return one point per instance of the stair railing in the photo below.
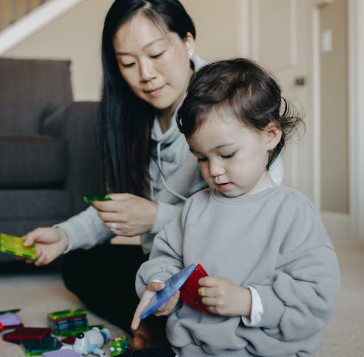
(13, 10)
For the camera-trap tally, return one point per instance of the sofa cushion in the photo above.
(28, 161)
(31, 90)
(33, 205)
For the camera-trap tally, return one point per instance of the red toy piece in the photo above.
(22, 333)
(189, 290)
(1, 326)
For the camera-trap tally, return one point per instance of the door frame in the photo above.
(343, 226)
(356, 111)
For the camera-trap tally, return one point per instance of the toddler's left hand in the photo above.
(148, 294)
(223, 297)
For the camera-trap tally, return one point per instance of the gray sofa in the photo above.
(48, 153)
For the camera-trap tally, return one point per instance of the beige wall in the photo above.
(217, 27)
(334, 111)
(76, 35)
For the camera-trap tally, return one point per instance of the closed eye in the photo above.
(228, 156)
(158, 55)
(127, 65)
(202, 159)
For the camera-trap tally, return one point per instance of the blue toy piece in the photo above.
(90, 342)
(171, 286)
(61, 353)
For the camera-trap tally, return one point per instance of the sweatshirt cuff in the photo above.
(272, 306)
(257, 310)
(165, 214)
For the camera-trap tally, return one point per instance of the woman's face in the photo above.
(154, 63)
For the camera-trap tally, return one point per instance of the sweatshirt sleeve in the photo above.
(85, 230)
(301, 297)
(165, 213)
(165, 259)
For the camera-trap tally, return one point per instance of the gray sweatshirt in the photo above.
(273, 241)
(175, 176)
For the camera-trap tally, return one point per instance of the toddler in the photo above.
(273, 273)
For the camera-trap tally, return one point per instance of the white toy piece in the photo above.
(90, 342)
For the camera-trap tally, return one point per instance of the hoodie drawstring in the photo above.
(159, 164)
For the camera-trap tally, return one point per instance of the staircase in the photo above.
(21, 18)
(13, 10)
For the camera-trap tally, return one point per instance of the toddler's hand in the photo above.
(148, 294)
(49, 244)
(223, 297)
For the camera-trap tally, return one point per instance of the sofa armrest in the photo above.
(76, 125)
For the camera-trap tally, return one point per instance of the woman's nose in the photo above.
(147, 71)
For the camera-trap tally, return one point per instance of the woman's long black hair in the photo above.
(126, 120)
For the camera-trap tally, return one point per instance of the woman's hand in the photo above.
(127, 215)
(223, 297)
(148, 294)
(50, 243)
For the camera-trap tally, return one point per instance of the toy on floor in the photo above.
(22, 333)
(117, 347)
(68, 322)
(14, 245)
(35, 348)
(13, 311)
(90, 342)
(9, 320)
(61, 353)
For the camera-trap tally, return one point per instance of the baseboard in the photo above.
(337, 225)
(33, 22)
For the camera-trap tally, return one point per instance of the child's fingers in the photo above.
(168, 306)
(147, 296)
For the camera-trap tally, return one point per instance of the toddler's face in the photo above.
(232, 157)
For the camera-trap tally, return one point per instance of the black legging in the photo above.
(103, 278)
(151, 352)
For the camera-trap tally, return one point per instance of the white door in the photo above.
(278, 33)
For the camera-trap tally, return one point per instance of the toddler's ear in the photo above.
(273, 135)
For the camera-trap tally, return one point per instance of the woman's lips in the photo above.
(154, 91)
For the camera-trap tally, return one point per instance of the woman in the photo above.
(148, 49)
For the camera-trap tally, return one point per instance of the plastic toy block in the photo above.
(171, 286)
(7, 311)
(189, 290)
(64, 314)
(36, 348)
(61, 353)
(1, 326)
(22, 333)
(14, 245)
(91, 199)
(187, 282)
(9, 320)
(71, 332)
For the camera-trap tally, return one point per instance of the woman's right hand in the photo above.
(49, 242)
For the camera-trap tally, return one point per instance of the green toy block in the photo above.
(66, 313)
(36, 348)
(91, 199)
(14, 245)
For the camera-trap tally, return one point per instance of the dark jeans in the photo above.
(103, 278)
(151, 352)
